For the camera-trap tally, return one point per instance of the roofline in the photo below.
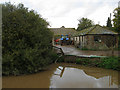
(62, 28)
(108, 29)
(94, 26)
(94, 34)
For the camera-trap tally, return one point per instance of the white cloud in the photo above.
(67, 12)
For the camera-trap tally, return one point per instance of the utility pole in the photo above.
(110, 16)
(98, 22)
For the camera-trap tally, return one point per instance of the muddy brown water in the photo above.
(64, 75)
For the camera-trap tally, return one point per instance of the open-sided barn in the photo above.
(62, 31)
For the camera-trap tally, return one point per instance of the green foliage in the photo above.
(116, 20)
(110, 41)
(110, 63)
(84, 23)
(82, 61)
(109, 23)
(61, 59)
(26, 40)
(95, 63)
(53, 56)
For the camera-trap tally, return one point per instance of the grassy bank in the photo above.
(107, 62)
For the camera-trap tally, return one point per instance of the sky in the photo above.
(67, 12)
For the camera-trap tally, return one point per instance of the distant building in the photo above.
(62, 31)
(96, 37)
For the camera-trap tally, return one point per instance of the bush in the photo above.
(110, 63)
(82, 61)
(95, 63)
(53, 56)
(26, 40)
(61, 59)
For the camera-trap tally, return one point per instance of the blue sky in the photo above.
(67, 12)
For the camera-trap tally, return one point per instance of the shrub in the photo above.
(26, 40)
(107, 62)
(110, 63)
(82, 61)
(61, 59)
(53, 56)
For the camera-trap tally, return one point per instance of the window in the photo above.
(97, 38)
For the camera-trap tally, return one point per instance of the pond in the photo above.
(64, 75)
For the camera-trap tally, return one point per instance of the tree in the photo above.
(84, 23)
(109, 23)
(110, 42)
(116, 20)
(26, 40)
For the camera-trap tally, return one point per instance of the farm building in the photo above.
(62, 32)
(96, 37)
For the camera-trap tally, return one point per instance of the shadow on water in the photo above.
(65, 75)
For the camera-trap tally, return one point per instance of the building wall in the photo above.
(76, 41)
(79, 41)
(92, 44)
(89, 41)
(102, 43)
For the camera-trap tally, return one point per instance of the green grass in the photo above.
(107, 62)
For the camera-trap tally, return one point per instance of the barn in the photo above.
(96, 38)
(62, 32)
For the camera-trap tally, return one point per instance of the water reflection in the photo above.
(65, 76)
(83, 77)
(62, 71)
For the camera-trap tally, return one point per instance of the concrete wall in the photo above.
(72, 58)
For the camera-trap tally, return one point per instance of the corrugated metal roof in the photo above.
(97, 29)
